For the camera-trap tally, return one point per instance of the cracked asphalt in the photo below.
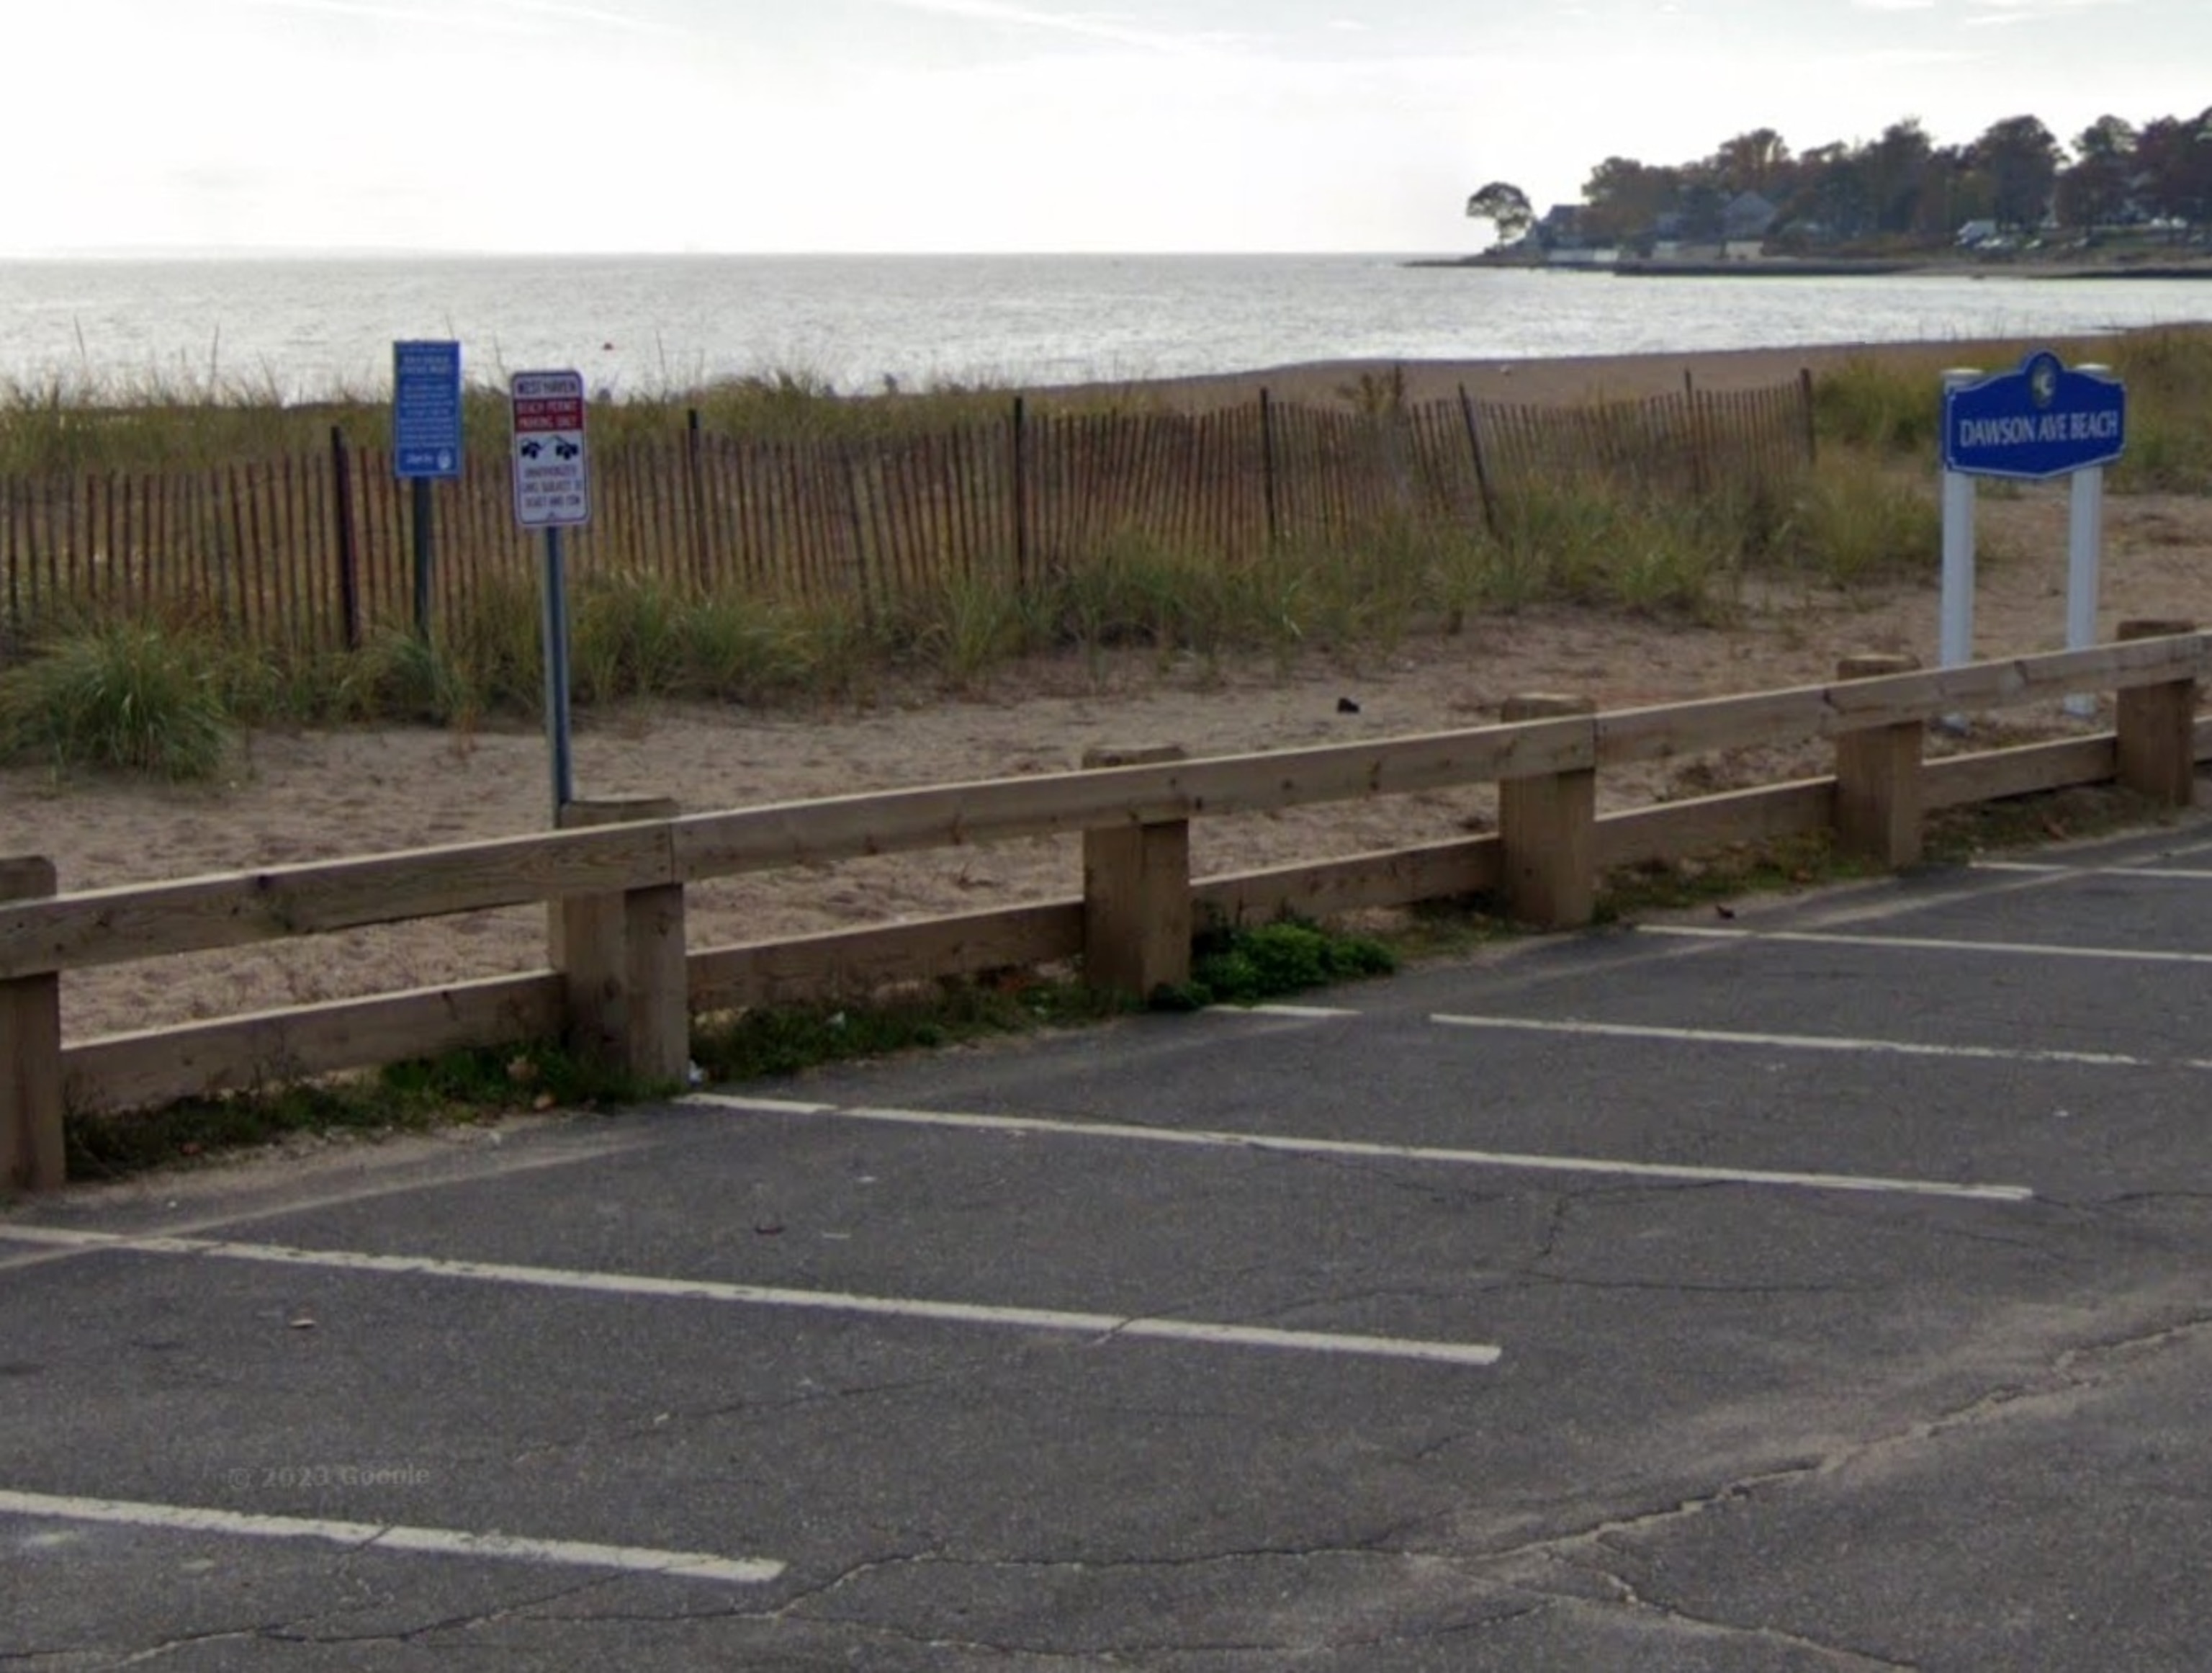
(1788, 1407)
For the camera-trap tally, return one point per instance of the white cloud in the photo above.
(2004, 12)
(530, 17)
(1074, 23)
(878, 125)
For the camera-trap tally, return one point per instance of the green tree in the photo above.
(1624, 197)
(2019, 160)
(1952, 192)
(1900, 169)
(2175, 157)
(1834, 193)
(1755, 162)
(1505, 206)
(2099, 188)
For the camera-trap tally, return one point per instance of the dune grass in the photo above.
(179, 419)
(125, 694)
(166, 696)
(1890, 404)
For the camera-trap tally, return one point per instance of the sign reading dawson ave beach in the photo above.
(2044, 420)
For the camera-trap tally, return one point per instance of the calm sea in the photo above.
(304, 327)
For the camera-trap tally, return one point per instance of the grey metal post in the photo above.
(423, 555)
(556, 677)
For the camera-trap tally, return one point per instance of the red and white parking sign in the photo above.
(552, 470)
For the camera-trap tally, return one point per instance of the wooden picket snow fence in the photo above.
(622, 982)
(313, 551)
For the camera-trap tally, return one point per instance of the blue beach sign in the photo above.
(2044, 420)
(425, 409)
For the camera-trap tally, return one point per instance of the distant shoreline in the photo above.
(1814, 267)
(1572, 380)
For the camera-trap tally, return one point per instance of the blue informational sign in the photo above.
(425, 409)
(2044, 420)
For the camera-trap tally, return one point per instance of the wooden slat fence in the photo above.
(314, 551)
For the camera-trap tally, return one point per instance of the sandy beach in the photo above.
(300, 796)
(1569, 380)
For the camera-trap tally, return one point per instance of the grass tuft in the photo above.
(129, 696)
(783, 1040)
(406, 1097)
(1249, 964)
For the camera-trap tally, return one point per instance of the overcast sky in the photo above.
(1054, 126)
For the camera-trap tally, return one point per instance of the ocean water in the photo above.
(307, 327)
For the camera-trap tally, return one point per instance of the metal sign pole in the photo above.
(556, 677)
(552, 491)
(423, 555)
(425, 444)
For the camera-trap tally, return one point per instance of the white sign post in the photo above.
(553, 491)
(1955, 635)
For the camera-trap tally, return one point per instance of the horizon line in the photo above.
(407, 253)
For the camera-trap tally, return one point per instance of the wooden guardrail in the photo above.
(621, 982)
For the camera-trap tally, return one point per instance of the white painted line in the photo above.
(1299, 1013)
(2169, 873)
(386, 1537)
(1199, 1138)
(480, 1168)
(1100, 1326)
(1793, 1042)
(1922, 943)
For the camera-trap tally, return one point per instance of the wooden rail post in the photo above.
(1878, 798)
(1136, 894)
(2157, 727)
(32, 1158)
(627, 1003)
(1548, 826)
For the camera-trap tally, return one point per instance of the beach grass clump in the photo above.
(401, 675)
(1343, 597)
(969, 625)
(738, 647)
(491, 651)
(1136, 588)
(1591, 539)
(2168, 374)
(626, 636)
(1857, 520)
(1881, 404)
(795, 407)
(132, 696)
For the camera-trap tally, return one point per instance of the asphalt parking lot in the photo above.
(1819, 1288)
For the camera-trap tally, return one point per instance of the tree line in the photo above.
(1902, 189)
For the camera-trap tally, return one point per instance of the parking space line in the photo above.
(1297, 1012)
(2033, 868)
(1199, 1138)
(1098, 1326)
(505, 1167)
(2105, 1059)
(1926, 944)
(389, 1536)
